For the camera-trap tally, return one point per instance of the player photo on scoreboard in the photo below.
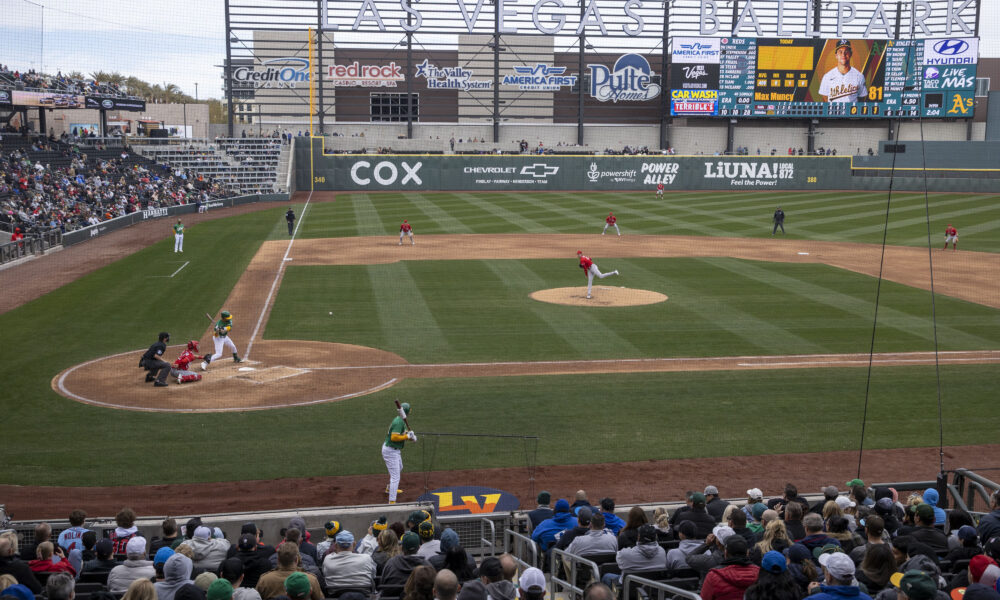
(808, 70)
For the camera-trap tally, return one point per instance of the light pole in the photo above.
(196, 91)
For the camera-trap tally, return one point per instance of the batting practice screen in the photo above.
(823, 78)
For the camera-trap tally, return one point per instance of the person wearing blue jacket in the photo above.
(563, 519)
(931, 497)
(611, 520)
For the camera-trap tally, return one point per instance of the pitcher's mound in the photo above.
(601, 295)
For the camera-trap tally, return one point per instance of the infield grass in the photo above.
(459, 311)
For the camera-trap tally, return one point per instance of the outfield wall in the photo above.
(386, 172)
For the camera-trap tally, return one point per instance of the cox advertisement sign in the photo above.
(284, 72)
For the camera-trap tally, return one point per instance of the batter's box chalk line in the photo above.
(269, 374)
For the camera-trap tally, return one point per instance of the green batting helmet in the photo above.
(226, 316)
(406, 407)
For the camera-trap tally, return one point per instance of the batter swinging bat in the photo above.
(209, 317)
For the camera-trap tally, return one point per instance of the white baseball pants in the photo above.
(178, 242)
(220, 344)
(394, 463)
(606, 225)
(594, 271)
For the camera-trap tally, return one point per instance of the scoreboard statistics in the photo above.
(823, 78)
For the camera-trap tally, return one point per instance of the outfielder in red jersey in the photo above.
(950, 235)
(406, 229)
(180, 368)
(611, 221)
(659, 190)
(591, 270)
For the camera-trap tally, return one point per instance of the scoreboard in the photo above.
(823, 78)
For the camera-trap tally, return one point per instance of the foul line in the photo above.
(186, 263)
(277, 277)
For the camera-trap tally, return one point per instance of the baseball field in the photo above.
(761, 345)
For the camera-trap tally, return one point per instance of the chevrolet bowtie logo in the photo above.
(539, 170)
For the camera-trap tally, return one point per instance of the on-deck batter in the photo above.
(221, 340)
(591, 270)
(392, 449)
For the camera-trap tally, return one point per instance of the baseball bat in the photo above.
(209, 317)
(399, 407)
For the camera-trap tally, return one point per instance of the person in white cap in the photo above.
(713, 504)
(838, 579)
(754, 496)
(135, 566)
(208, 552)
(531, 584)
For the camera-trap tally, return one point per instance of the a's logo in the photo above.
(471, 500)
(385, 173)
(539, 78)
(283, 72)
(931, 73)
(108, 103)
(631, 80)
(951, 47)
(593, 174)
(960, 105)
(695, 72)
(539, 170)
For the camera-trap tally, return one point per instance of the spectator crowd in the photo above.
(865, 543)
(32, 80)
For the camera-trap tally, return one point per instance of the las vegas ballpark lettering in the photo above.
(546, 17)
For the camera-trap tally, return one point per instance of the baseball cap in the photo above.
(774, 562)
(136, 545)
(332, 528)
(532, 580)
(736, 545)
(924, 511)
(845, 502)
(345, 539)
(697, 498)
(829, 491)
(757, 510)
(248, 542)
(798, 553)
(722, 532)
(544, 497)
(410, 542)
(854, 482)
(162, 555)
(380, 523)
(917, 585)
(967, 533)
(687, 528)
(978, 565)
(19, 591)
(297, 585)
(844, 44)
(418, 516)
(220, 589)
(755, 494)
(249, 527)
(425, 530)
(105, 547)
(826, 549)
(884, 506)
(583, 515)
(711, 490)
(449, 539)
(838, 564)
(647, 533)
(202, 533)
(561, 506)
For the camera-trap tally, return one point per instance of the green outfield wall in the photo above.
(379, 172)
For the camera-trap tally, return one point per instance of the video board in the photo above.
(823, 78)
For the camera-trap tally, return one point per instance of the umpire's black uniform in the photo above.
(290, 217)
(155, 366)
(779, 221)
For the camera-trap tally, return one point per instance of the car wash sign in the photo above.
(631, 80)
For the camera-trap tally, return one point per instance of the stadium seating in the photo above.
(243, 165)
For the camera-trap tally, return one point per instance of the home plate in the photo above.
(246, 369)
(803, 254)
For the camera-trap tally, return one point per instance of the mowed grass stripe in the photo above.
(910, 329)
(367, 220)
(499, 212)
(403, 312)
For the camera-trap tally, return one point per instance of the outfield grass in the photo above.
(475, 310)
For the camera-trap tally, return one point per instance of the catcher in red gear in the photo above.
(180, 368)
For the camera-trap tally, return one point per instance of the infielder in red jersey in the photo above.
(590, 270)
(950, 235)
(406, 229)
(611, 221)
(180, 368)
(659, 190)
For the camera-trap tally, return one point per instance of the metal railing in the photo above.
(967, 487)
(663, 591)
(29, 246)
(522, 548)
(487, 542)
(575, 567)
